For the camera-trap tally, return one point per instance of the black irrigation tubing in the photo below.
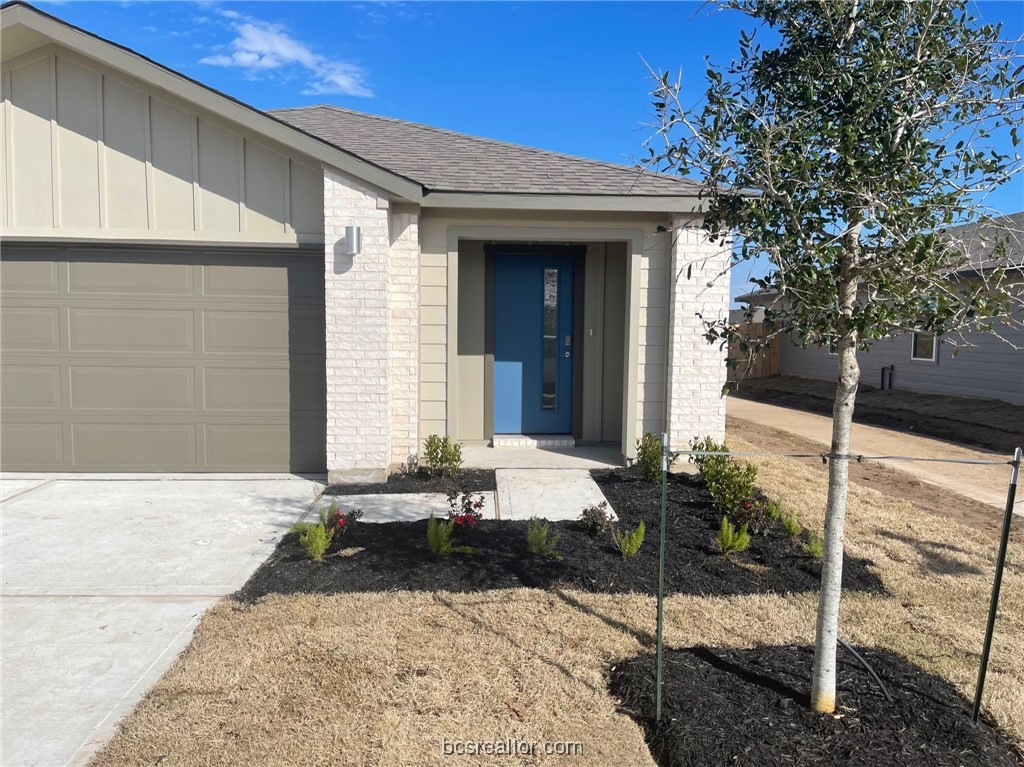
(866, 665)
(849, 457)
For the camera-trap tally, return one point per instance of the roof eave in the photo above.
(573, 202)
(158, 76)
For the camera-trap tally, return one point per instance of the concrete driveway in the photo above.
(103, 584)
(986, 484)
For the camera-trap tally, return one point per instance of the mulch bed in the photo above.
(394, 555)
(749, 707)
(467, 480)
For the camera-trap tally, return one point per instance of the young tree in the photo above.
(839, 154)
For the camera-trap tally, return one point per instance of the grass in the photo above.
(381, 678)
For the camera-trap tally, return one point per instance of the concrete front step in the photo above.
(533, 440)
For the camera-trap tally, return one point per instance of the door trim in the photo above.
(633, 237)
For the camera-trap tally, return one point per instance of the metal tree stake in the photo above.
(1011, 495)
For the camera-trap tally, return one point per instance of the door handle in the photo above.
(567, 355)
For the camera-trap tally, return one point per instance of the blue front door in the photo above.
(533, 344)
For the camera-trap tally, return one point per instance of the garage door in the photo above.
(161, 360)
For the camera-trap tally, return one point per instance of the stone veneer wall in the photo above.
(696, 369)
(372, 320)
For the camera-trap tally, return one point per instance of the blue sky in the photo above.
(569, 77)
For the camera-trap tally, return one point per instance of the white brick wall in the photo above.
(371, 321)
(696, 369)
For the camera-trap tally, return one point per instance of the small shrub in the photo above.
(315, 539)
(774, 510)
(814, 547)
(334, 519)
(732, 486)
(541, 541)
(731, 540)
(754, 514)
(791, 525)
(709, 466)
(629, 544)
(439, 538)
(442, 457)
(648, 457)
(597, 520)
(464, 510)
(346, 522)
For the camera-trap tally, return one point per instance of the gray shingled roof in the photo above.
(980, 238)
(444, 161)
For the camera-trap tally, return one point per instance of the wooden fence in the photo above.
(762, 365)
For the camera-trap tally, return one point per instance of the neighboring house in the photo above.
(190, 284)
(987, 364)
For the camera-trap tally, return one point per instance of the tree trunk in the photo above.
(823, 678)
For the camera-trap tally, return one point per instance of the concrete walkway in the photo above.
(553, 494)
(986, 484)
(103, 584)
(404, 507)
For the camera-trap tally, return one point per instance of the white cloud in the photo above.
(261, 47)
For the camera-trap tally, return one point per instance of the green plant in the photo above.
(732, 486)
(541, 541)
(753, 513)
(627, 543)
(464, 509)
(859, 147)
(334, 519)
(442, 457)
(791, 525)
(709, 465)
(731, 540)
(439, 538)
(648, 457)
(814, 547)
(315, 539)
(775, 510)
(597, 519)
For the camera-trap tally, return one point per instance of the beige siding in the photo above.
(651, 314)
(92, 154)
(433, 341)
(653, 321)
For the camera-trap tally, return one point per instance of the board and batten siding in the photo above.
(652, 353)
(90, 153)
(987, 366)
(437, 290)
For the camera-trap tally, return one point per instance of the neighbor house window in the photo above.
(833, 348)
(925, 347)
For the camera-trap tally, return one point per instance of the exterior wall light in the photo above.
(353, 240)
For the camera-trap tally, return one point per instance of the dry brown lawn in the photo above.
(381, 679)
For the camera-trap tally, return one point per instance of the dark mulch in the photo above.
(467, 480)
(394, 555)
(749, 707)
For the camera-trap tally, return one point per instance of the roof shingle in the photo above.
(445, 161)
